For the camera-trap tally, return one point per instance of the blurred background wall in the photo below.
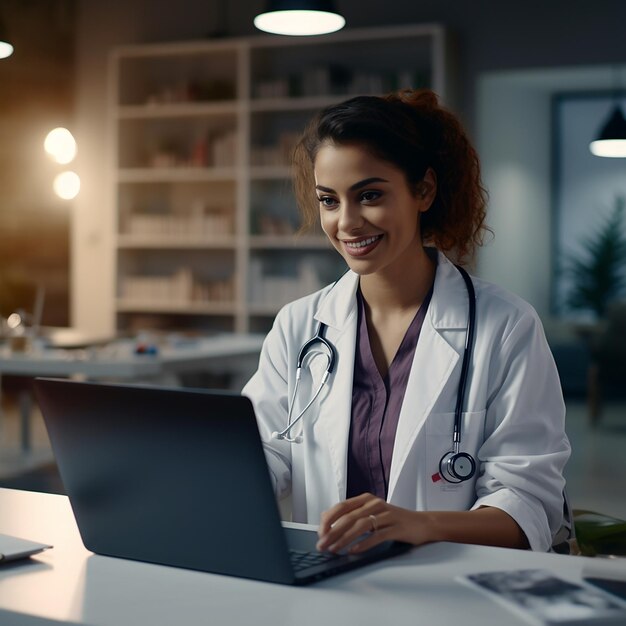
(511, 59)
(37, 93)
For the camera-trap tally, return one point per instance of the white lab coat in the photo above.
(513, 423)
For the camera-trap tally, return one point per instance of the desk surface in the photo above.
(118, 360)
(69, 583)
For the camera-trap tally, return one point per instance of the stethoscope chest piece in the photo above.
(457, 467)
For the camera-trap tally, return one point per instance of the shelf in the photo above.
(180, 308)
(294, 104)
(227, 102)
(270, 172)
(176, 174)
(169, 50)
(263, 310)
(364, 36)
(131, 242)
(177, 109)
(289, 242)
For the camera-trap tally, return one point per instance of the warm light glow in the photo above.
(66, 185)
(14, 320)
(614, 148)
(60, 145)
(6, 49)
(299, 22)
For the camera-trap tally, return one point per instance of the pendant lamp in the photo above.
(611, 141)
(6, 49)
(300, 17)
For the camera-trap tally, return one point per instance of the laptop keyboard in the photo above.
(303, 560)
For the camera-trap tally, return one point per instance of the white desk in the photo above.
(236, 354)
(71, 584)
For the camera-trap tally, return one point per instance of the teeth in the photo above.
(363, 243)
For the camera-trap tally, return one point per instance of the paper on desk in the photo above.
(608, 574)
(612, 569)
(543, 598)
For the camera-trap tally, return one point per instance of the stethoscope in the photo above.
(454, 466)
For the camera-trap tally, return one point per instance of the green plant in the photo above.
(599, 275)
(599, 534)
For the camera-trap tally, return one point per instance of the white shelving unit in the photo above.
(204, 213)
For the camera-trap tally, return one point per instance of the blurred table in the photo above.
(162, 363)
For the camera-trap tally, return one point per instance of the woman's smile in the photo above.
(362, 246)
(368, 211)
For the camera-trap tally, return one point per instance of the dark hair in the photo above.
(412, 131)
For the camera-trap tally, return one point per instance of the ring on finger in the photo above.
(374, 524)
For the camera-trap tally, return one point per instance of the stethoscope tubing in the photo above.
(304, 351)
(467, 356)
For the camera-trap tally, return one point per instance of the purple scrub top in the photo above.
(376, 403)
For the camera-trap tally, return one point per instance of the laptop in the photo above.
(178, 477)
(15, 548)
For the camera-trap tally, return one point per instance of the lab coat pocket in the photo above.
(440, 494)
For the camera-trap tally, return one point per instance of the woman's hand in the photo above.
(371, 520)
(374, 520)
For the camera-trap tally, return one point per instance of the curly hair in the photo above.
(412, 131)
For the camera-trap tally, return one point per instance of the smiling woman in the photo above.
(410, 130)
(408, 401)
(368, 211)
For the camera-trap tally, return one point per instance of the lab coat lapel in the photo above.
(433, 362)
(339, 312)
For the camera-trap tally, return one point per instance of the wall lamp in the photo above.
(60, 146)
(300, 17)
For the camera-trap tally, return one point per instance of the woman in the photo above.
(365, 455)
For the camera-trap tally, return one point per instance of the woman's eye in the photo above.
(370, 196)
(327, 201)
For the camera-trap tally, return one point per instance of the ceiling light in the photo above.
(300, 17)
(6, 49)
(611, 141)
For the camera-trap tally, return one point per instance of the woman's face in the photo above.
(367, 209)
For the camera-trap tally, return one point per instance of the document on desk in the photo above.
(608, 574)
(543, 598)
(13, 548)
